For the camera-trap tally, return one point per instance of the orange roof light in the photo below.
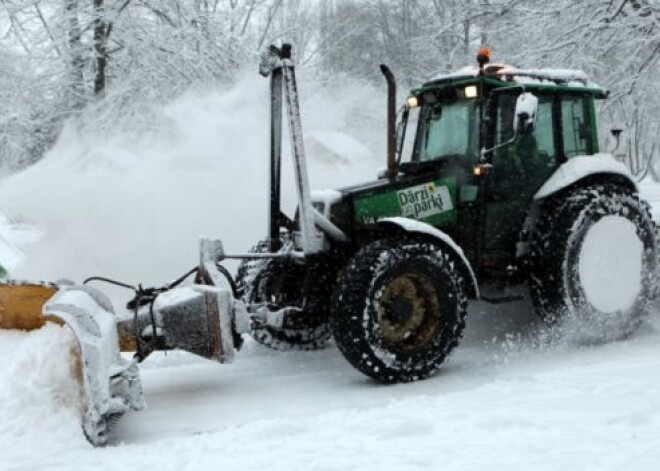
(483, 56)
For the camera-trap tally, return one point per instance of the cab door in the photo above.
(520, 166)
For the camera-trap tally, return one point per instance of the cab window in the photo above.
(576, 125)
(448, 130)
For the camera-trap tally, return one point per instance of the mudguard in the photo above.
(411, 225)
(111, 383)
(582, 166)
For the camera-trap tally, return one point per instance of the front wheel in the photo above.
(398, 309)
(279, 283)
(594, 263)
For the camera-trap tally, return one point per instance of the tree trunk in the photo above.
(100, 48)
(75, 55)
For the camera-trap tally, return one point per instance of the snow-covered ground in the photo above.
(504, 401)
(509, 398)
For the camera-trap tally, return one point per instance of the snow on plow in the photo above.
(110, 383)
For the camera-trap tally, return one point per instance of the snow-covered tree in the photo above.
(116, 58)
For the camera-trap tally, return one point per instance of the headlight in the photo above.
(471, 91)
(412, 102)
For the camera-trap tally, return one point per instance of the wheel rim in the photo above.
(409, 312)
(611, 264)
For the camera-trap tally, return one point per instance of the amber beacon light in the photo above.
(483, 56)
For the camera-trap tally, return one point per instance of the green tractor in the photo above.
(494, 180)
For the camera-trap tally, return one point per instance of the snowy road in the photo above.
(506, 399)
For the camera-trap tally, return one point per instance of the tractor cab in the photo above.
(497, 133)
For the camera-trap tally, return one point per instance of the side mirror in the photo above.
(616, 131)
(524, 119)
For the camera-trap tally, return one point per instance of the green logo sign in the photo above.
(433, 202)
(423, 201)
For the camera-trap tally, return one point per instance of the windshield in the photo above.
(448, 130)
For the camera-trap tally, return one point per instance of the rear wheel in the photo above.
(398, 309)
(594, 262)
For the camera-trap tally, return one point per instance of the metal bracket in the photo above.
(264, 316)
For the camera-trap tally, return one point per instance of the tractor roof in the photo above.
(501, 75)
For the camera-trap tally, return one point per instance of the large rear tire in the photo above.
(594, 262)
(398, 309)
(279, 282)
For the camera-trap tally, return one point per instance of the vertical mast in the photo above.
(274, 242)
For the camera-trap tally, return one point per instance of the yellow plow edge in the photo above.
(21, 309)
(20, 305)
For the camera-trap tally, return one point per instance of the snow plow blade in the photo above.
(199, 318)
(111, 384)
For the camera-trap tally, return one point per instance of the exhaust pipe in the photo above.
(391, 121)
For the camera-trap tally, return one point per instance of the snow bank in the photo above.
(39, 396)
(14, 235)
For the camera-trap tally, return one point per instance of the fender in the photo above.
(582, 166)
(418, 227)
